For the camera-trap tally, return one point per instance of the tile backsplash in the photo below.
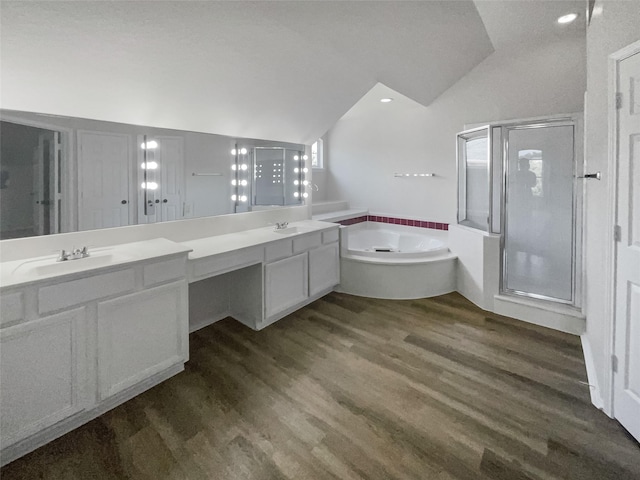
(396, 221)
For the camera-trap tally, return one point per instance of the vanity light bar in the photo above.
(414, 174)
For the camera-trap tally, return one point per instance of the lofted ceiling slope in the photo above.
(283, 70)
(518, 24)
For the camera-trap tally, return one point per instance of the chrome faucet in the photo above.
(282, 225)
(75, 254)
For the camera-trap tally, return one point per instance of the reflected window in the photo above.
(317, 154)
(531, 161)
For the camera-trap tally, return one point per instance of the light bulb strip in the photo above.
(300, 178)
(240, 170)
(144, 177)
(236, 174)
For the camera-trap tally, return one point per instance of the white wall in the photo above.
(478, 267)
(374, 140)
(617, 26)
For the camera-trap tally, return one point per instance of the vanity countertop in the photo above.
(31, 270)
(339, 215)
(206, 247)
(36, 269)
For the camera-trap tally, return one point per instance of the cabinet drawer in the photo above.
(217, 264)
(160, 272)
(278, 250)
(12, 307)
(306, 242)
(330, 236)
(75, 292)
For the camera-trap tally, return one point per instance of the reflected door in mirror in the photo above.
(104, 164)
(30, 189)
(160, 178)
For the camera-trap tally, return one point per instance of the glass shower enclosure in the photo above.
(519, 180)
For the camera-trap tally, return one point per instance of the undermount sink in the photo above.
(49, 265)
(292, 230)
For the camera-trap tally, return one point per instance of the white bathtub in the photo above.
(371, 239)
(380, 260)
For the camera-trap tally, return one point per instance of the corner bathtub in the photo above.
(380, 260)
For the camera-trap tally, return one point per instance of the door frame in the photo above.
(612, 206)
(69, 214)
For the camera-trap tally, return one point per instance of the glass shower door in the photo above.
(539, 220)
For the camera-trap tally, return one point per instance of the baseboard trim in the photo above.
(557, 317)
(594, 388)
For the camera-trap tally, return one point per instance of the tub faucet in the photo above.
(282, 225)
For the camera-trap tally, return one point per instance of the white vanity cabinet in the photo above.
(324, 268)
(140, 335)
(76, 345)
(259, 277)
(285, 284)
(43, 374)
(311, 271)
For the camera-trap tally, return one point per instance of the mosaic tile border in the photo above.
(395, 221)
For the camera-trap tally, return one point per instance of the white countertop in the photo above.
(205, 247)
(27, 271)
(340, 215)
(31, 270)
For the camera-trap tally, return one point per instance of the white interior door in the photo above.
(162, 199)
(37, 194)
(171, 155)
(103, 163)
(46, 184)
(54, 190)
(627, 319)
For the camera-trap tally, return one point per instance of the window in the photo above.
(317, 154)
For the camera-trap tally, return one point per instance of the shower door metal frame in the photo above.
(576, 249)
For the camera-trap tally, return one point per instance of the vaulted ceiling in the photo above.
(285, 70)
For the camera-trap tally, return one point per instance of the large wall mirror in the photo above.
(63, 174)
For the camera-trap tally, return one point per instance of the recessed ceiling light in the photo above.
(386, 100)
(567, 18)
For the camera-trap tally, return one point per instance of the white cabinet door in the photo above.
(324, 268)
(286, 284)
(140, 335)
(42, 374)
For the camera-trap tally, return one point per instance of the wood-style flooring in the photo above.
(356, 388)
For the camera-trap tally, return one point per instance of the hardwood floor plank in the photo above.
(357, 388)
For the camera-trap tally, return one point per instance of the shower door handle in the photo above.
(596, 175)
